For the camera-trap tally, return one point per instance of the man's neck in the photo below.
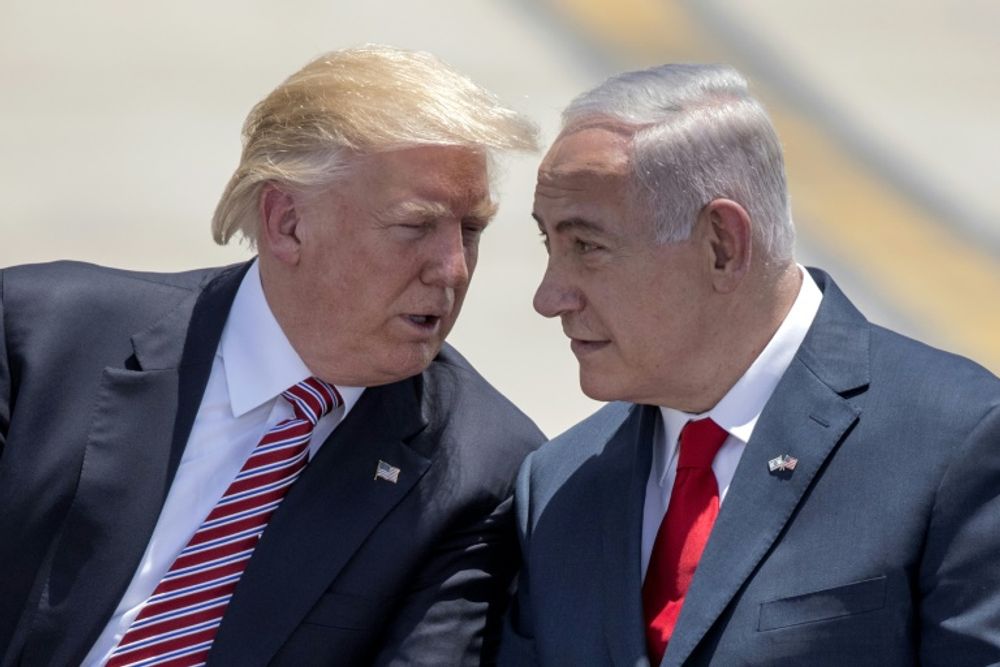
(746, 324)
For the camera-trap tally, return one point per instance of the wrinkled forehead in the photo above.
(589, 166)
(588, 152)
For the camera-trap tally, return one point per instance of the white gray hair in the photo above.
(696, 135)
(353, 102)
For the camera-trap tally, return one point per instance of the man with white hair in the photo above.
(280, 462)
(779, 481)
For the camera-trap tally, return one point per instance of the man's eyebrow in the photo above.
(483, 211)
(414, 208)
(572, 223)
(581, 224)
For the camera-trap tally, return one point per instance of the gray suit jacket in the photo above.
(101, 375)
(882, 547)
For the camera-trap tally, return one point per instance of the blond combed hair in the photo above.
(359, 101)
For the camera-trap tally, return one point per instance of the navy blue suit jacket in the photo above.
(882, 547)
(101, 375)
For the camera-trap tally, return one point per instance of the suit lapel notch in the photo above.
(836, 348)
(189, 332)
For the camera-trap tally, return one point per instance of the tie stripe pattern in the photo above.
(180, 619)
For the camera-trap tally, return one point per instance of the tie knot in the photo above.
(312, 398)
(700, 441)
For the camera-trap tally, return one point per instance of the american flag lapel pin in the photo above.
(386, 471)
(782, 463)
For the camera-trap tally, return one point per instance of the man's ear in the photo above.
(279, 223)
(727, 227)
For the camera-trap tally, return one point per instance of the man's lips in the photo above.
(582, 347)
(427, 322)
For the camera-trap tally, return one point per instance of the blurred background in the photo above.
(119, 127)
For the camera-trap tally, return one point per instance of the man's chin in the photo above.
(414, 362)
(405, 361)
(598, 387)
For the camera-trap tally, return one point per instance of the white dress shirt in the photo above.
(736, 413)
(253, 365)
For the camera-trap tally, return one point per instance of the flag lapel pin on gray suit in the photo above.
(782, 463)
(386, 471)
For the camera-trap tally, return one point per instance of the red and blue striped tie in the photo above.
(180, 619)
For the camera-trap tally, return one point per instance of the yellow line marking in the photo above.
(939, 280)
(643, 31)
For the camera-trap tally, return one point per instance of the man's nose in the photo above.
(556, 296)
(449, 264)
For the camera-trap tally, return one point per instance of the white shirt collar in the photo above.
(258, 360)
(740, 408)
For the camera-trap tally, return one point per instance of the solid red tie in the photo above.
(179, 622)
(694, 504)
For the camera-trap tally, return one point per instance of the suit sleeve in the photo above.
(5, 380)
(517, 646)
(453, 614)
(959, 575)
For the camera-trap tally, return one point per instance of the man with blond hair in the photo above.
(779, 482)
(279, 462)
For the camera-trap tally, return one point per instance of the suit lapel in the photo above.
(323, 521)
(624, 470)
(806, 417)
(808, 423)
(141, 421)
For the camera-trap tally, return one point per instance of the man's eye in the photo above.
(584, 247)
(545, 239)
(414, 228)
(471, 233)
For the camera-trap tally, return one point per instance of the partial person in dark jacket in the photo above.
(781, 482)
(280, 462)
